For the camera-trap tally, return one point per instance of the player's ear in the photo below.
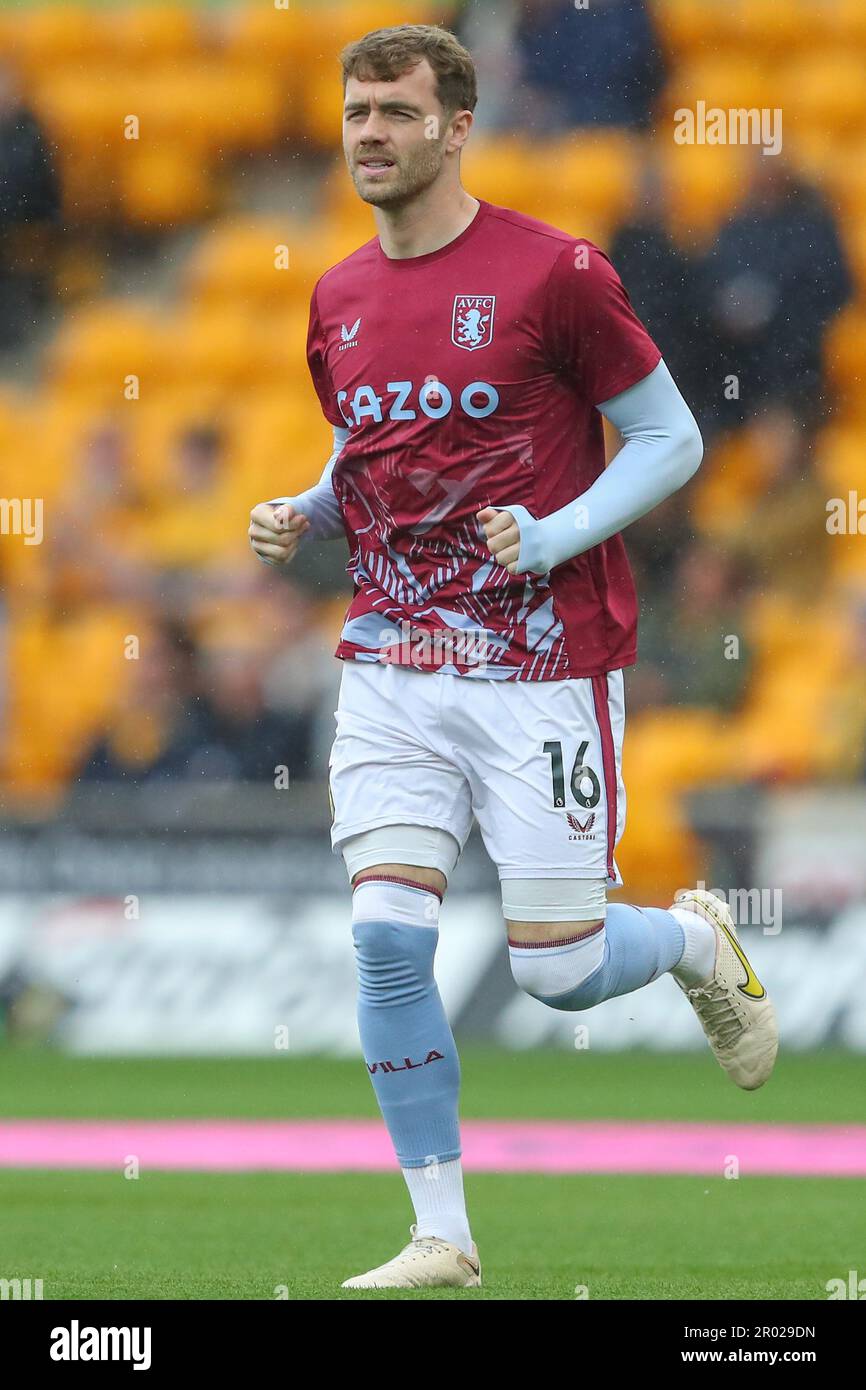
(461, 124)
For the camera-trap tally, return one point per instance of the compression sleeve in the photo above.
(662, 450)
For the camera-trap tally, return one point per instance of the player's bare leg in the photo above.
(412, 1060)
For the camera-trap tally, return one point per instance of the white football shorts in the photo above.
(537, 763)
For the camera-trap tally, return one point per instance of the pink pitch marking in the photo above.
(503, 1146)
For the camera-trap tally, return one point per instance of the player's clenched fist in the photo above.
(503, 536)
(275, 532)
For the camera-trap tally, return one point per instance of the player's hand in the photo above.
(503, 536)
(275, 532)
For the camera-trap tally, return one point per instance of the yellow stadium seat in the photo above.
(47, 38)
(845, 180)
(693, 27)
(703, 184)
(219, 345)
(210, 105)
(105, 343)
(845, 352)
(825, 91)
(593, 174)
(329, 26)
(506, 171)
(86, 107)
(160, 186)
(720, 79)
(840, 458)
(321, 107)
(845, 20)
(257, 262)
(153, 33)
(686, 25)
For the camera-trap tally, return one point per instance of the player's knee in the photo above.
(392, 917)
(394, 961)
(556, 939)
(558, 975)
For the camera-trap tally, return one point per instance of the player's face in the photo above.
(394, 136)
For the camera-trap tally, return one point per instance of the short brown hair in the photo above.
(385, 54)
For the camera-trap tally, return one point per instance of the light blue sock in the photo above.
(405, 1035)
(641, 943)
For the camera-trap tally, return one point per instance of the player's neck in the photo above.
(426, 224)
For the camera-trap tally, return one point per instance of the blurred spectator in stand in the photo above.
(774, 277)
(198, 713)
(244, 739)
(29, 206)
(655, 542)
(782, 541)
(663, 284)
(598, 65)
(685, 655)
(154, 727)
(196, 519)
(98, 540)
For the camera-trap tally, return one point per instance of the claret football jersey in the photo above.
(469, 377)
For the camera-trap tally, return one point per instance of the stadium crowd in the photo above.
(141, 640)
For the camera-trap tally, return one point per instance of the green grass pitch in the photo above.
(254, 1236)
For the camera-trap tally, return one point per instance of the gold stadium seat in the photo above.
(209, 105)
(159, 185)
(720, 79)
(239, 261)
(845, 180)
(507, 171)
(85, 108)
(840, 458)
(281, 443)
(594, 175)
(153, 33)
(825, 91)
(283, 357)
(329, 26)
(688, 27)
(846, 22)
(321, 107)
(52, 722)
(768, 29)
(265, 34)
(99, 346)
(48, 38)
(703, 183)
(845, 354)
(218, 345)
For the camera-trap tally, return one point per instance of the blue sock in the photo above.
(405, 1036)
(641, 943)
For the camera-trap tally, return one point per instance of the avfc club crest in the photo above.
(472, 320)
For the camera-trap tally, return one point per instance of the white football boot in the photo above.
(732, 1004)
(426, 1262)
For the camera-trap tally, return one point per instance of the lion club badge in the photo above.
(472, 320)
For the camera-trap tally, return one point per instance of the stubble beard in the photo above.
(414, 175)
